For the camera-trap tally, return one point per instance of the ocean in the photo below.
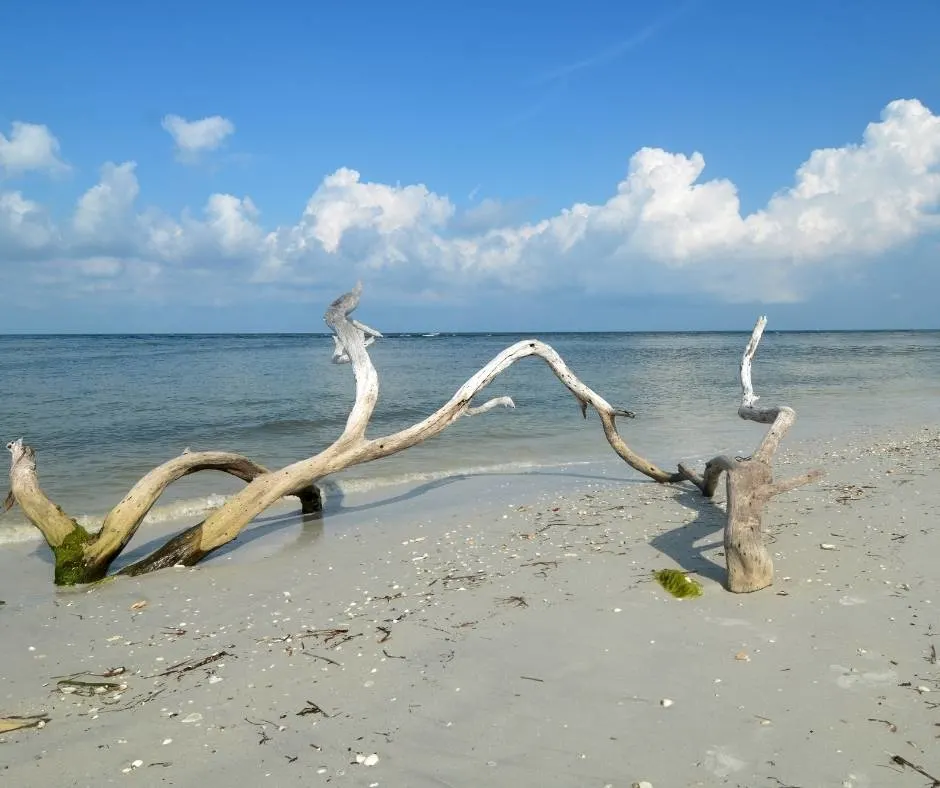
(102, 410)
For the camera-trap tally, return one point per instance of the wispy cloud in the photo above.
(617, 50)
(555, 82)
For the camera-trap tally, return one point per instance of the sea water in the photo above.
(103, 410)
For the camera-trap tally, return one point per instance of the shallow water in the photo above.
(102, 410)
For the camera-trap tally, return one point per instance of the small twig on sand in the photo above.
(386, 634)
(187, 665)
(311, 708)
(138, 701)
(900, 760)
(515, 601)
(476, 577)
(108, 674)
(326, 635)
(319, 656)
(264, 735)
(891, 726)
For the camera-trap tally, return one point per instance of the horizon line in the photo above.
(435, 334)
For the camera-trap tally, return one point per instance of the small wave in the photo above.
(14, 533)
(177, 510)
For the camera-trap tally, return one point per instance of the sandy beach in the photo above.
(505, 631)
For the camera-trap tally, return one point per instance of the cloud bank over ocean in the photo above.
(666, 228)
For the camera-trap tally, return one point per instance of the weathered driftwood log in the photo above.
(8, 724)
(750, 484)
(82, 557)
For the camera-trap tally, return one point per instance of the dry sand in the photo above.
(505, 631)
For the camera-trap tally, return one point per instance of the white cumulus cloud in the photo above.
(25, 228)
(665, 228)
(197, 136)
(105, 212)
(30, 146)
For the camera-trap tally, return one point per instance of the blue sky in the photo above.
(487, 166)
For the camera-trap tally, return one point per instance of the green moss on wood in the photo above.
(678, 583)
(70, 568)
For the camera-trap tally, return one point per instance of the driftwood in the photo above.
(82, 557)
(750, 484)
(8, 724)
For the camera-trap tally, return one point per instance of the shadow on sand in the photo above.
(686, 544)
(312, 525)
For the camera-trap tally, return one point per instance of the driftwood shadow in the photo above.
(311, 531)
(685, 546)
(313, 525)
(335, 497)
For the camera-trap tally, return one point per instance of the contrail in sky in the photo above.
(619, 49)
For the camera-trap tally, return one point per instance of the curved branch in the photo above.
(184, 548)
(54, 524)
(708, 481)
(82, 557)
(489, 405)
(748, 397)
(780, 417)
(794, 481)
(353, 448)
(123, 520)
(351, 339)
(459, 404)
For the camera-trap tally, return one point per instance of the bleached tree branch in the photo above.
(750, 484)
(83, 557)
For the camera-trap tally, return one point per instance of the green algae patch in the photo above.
(70, 566)
(677, 583)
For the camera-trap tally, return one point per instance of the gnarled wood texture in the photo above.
(750, 484)
(82, 557)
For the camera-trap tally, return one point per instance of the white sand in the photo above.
(449, 682)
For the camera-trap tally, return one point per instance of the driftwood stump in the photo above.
(750, 484)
